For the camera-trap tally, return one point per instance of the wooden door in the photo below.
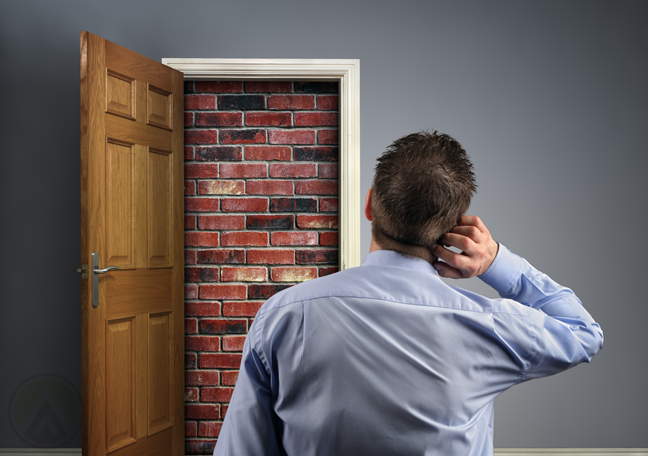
(132, 216)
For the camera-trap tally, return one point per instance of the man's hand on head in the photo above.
(478, 249)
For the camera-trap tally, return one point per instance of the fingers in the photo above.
(445, 270)
(463, 264)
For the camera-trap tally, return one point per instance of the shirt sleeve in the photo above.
(562, 333)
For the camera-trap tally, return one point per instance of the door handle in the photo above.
(95, 277)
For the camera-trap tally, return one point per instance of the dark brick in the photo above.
(293, 205)
(209, 326)
(316, 154)
(201, 137)
(265, 291)
(269, 86)
(219, 86)
(251, 136)
(188, 87)
(240, 102)
(221, 256)
(219, 119)
(270, 222)
(190, 361)
(219, 153)
(199, 446)
(323, 256)
(316, 87)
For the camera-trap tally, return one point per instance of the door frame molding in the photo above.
(344, 71)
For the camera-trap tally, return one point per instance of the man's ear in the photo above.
(368, 212)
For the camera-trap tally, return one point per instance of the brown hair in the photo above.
(422, 186)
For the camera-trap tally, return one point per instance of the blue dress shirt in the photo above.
(387, 359)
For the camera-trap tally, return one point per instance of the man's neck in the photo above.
(406, 249)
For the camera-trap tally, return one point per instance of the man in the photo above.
(385, 358)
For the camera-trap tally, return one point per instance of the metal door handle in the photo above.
(95, 277)
(103, 271)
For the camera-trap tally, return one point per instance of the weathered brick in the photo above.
(202, 170)
(199, 102)
(199, 239)
(268, 87)
(202, 343)
(200, 378)
(329, 238)
(219, 361)
(290, 102)
(265, 291)
(188, 153)
(191, 428)
(209, 429)
(191, 394)
(218, 326)
(189, 222)
(316, 187)
(293, 205)
(189, 188)
(221, 222)
(238, 170)
(328, 204)
(293, 170)
(270, 222)
(191, 360)
(244, 274)
(291, 137)
(202, 411)
(281, 153)
(201, 137)
(322, 153)
(219, 153)
(224, 408)
(316, 87)
(244, 238)
(221, 256)
(241, 308)
(268, 119)
(243, 136)
(199, 446)
(202, 308)
(229, 378)
(188, 119)
(191, 326)
(269, 187)
(190, 257)
(201, 274)
(321, 256)
(219, 86)
(327, 271)
(317, 221)
(327, 137)
(327, 102)
(201, 204)
(223, 292)
(328, 171)
(188, 87)
(240, 102)
(293, 274)
(233, 343)
(294, 238)
(219, 119)
(245, 204)
(191, 291)
(270, 256)
(214, 187)
(316, 119)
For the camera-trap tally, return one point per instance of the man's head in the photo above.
(422, 186)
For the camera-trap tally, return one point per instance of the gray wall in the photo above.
(549, 98)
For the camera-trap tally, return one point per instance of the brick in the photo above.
(189, 188)
(190, 360)
(244, 274)
(188, 153)
(219, 119)
(199, 102)
(189, 222)
(219, 86)
(270, 256)
(219, 153)
(316, 119)
(201, 137)
(321, 256)
(290, 102)
(329, 238)
(328, 171)
(265, 291)
(190, 257)
(191, 394)
(291, 137)
(214, 187)
(201, 274)
(202, 309)
(223, 292)
(241, 309)
(293, 274)
(327, 271)
(224, 408)
(323, 153)
(199, 446)
(245, 204)
(316, 187)
(202, 170)
(316, 87)
(221, 256)
(327, 102)
(240, 102)
(269, 187)
(327, 137)
(216, 394)
(188, 87)
(191, 326)
(317, 221)
(219, 361)
(281, 153)
(191, 429)
(202, 411)
(270, 222)
(268, 119)
(294, 238)
(328, 204)
(244, 238)
(293, 170)
(270, 86)
(238, 170)
(188, 119)
(229, 378)
(293, 205)
(209, 429)
(221, 222)
(198, 239)
(191, 291)
(219, 326)
(243, 136)
(202, 343)
(201, 204)
(233, 343)
(200, 378)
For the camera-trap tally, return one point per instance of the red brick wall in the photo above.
(261, 213)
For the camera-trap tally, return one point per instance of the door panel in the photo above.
(132, 215)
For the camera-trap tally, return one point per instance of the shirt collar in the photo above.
(395, 259)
